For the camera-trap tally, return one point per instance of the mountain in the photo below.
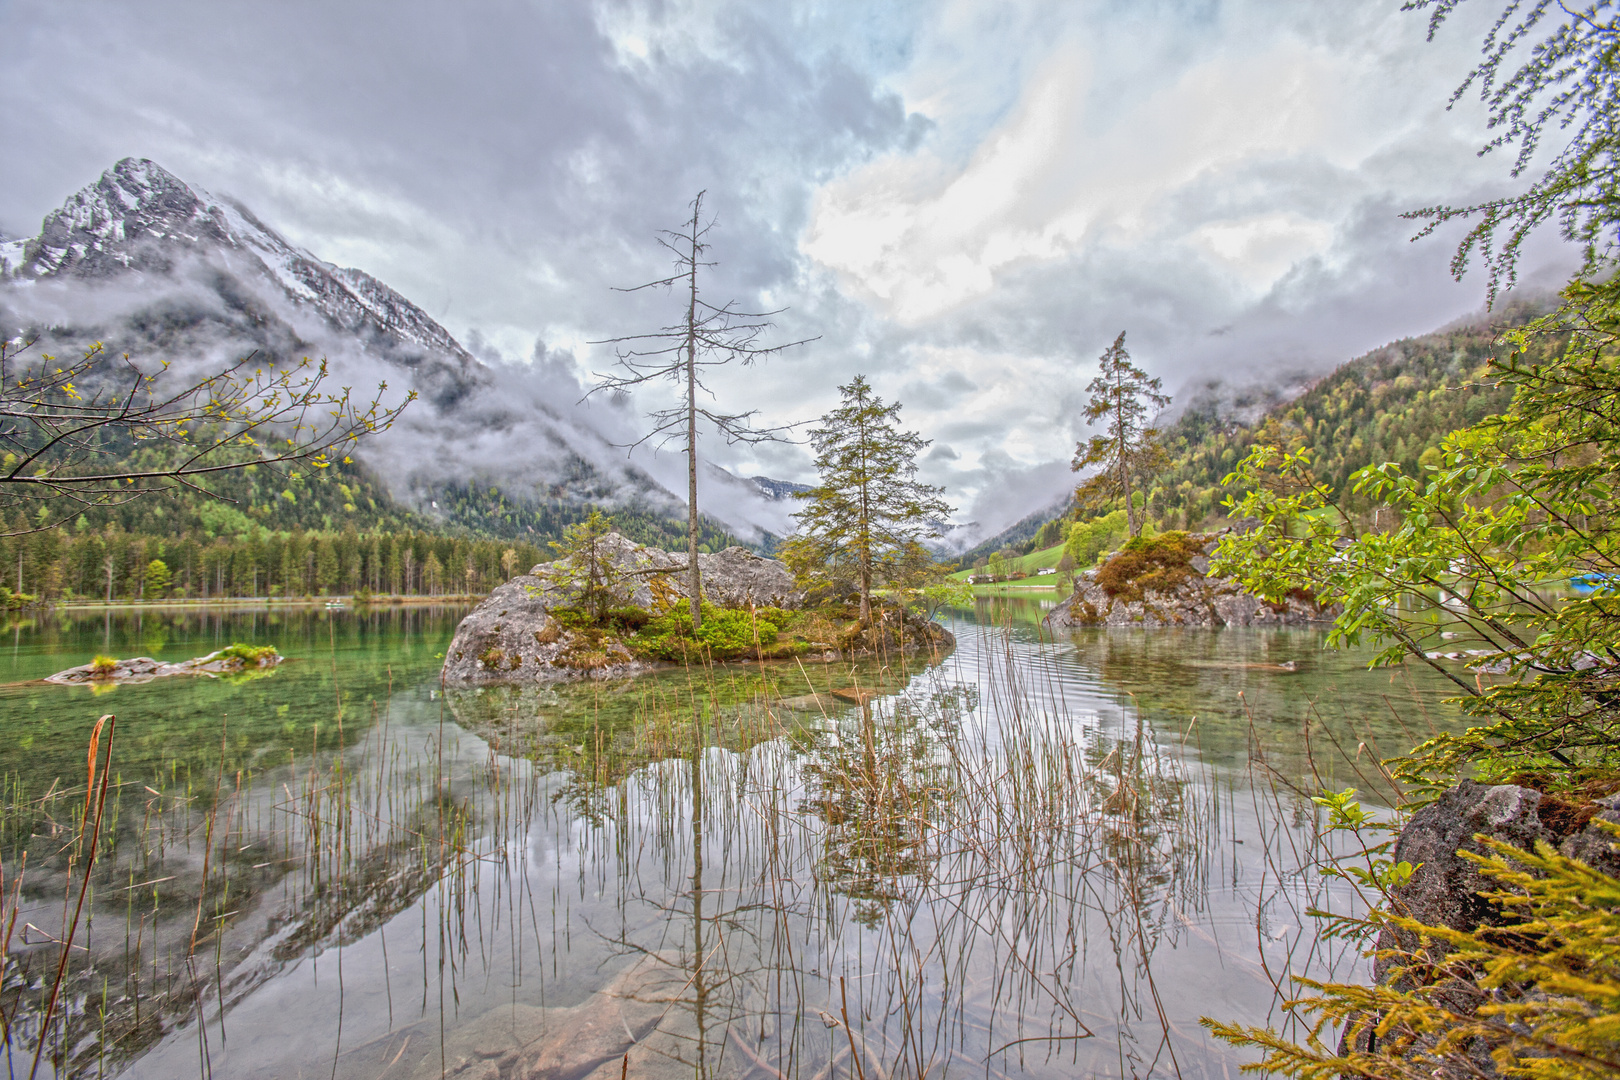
(778, 490)
(139, 219)
(1020, 535)
(165, 271)
(1395, 403)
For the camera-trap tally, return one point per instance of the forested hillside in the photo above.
(334, 532)
(488, 512)
(1393, 404)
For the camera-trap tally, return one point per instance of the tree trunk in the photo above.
(694, 581)
(1131, 525)
(866, 531)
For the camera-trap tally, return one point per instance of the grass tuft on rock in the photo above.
(249, 655)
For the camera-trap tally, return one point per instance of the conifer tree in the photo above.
(869, 511)
(1121, 395)
(156, 584)
(585, 566)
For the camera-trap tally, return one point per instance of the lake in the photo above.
(1036, 857)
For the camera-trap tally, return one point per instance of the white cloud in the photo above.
(1075, 163)
(966, 200)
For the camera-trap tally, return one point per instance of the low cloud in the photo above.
(526, 427)
(966, 203)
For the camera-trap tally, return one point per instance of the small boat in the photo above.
(1587, 584)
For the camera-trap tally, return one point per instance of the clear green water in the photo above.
(1039, 857)
(171, 728)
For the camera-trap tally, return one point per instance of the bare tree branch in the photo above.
(100, 432)
(708, 336)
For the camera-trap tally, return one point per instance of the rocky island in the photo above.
(538, 627)
(1164, 581)
(233, 659)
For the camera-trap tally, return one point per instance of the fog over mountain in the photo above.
(963, 201)
(167, 272)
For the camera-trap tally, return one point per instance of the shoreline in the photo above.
(348, 603)
(986, 590)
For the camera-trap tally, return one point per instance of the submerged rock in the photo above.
(513, 637)
(522, 1042)
(141, 669)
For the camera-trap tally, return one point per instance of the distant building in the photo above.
(1045, 571)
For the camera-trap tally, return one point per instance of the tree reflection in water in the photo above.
(766, 871)
(985, 883)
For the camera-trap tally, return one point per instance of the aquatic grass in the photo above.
(911, 817)
(97, 799)
(906, 871)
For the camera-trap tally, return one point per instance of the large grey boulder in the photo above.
(735, 577)
(1445, 889)
(512, 636)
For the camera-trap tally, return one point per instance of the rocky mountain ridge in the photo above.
(165, 271)
(138, 216)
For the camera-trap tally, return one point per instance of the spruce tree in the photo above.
(585, 567)
(869, 510)
(1127, 448)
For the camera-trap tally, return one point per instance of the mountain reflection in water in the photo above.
(1036, 858)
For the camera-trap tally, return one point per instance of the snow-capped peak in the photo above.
(139, 217)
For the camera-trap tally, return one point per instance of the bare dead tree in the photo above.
(708, 336)
(99, 431)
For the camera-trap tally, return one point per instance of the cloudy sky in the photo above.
(966, 201)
